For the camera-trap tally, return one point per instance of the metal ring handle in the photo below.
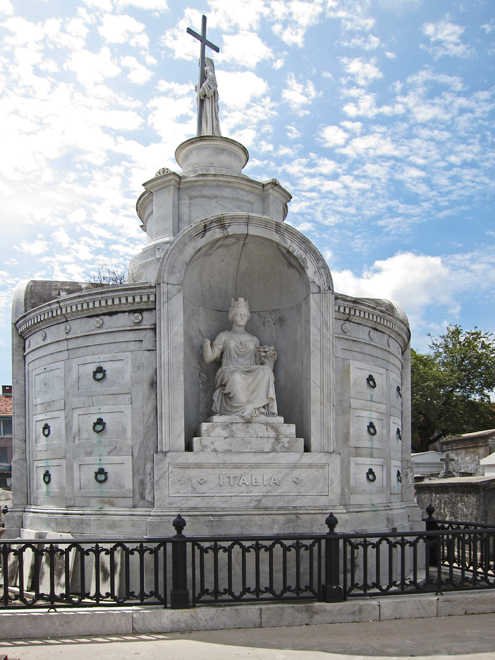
(398, 434)
(371, 381)
(101, 475)
(99, 425)
(399, 391)
(370, 475)
(47, 477)
(372, 429)
(99, 374)
(399, 476)
(45, 429)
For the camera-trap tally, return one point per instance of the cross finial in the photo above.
(204, 42)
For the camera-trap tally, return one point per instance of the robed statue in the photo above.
(245, 385)
(208, 94)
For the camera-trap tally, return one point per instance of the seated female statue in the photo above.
(245, 385)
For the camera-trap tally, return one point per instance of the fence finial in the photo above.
(430, 510)
(331, 522)
(179, 524)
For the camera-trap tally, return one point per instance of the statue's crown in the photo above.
(236, 304)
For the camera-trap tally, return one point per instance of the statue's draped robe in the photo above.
(242, 387)
(210, 123)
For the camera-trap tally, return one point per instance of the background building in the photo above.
(6, 437)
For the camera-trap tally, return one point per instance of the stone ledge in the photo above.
(254, 429)
(97, 301)
(247, 444)
(32, 624)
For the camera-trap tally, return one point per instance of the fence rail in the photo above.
(181, 571)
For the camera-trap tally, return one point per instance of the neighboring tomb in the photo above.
(465, 451)
(468, 499)
(427, 463)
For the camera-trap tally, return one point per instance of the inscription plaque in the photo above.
(226, 480)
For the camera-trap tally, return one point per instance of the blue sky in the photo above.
(377, 115)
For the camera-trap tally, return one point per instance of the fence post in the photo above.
(432, 545)
(331, 591)
(179, 594)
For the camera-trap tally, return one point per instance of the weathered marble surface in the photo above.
(247, 444)
(259, 427)
(213, 481)
(60, 585)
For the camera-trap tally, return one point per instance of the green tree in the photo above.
(451, 386)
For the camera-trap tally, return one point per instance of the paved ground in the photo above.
(470, 637)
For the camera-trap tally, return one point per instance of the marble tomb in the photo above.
(121, 419)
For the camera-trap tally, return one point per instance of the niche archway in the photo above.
(290, 295)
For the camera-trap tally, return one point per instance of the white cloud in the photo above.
(298, 94)
(23, 32)
(245, 48)
(371, 43)
(238, 89)
(138, 73)
(119, 29)
(173, 119)
(334, 136)
(92, 68)
(292, 132)
(365, 105)
(6, 7)
(229, 15)
(183, 45)
(148, 5)
(293, 18)
(414, 281)
(34, 248)
(354, 126)
(352, 14)
(99, 5)
(445, 39)
(363, 72)
(177, 89)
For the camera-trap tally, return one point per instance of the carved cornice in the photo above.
(364, 312)
(129, 297)
(143, 202)
(98, 301)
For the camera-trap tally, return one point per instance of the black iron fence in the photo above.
(182, 571)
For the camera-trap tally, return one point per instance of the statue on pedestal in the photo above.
(208, 93)
(206, 89)
(245, 385)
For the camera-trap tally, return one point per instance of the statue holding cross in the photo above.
(207, 89)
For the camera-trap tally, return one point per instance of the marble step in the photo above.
(257, 429)
(247, 444)
(224, 419)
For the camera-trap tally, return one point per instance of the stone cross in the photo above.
(204, 42)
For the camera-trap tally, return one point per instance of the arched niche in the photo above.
(289, 289)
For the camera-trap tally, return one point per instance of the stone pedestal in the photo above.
(234, 434)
